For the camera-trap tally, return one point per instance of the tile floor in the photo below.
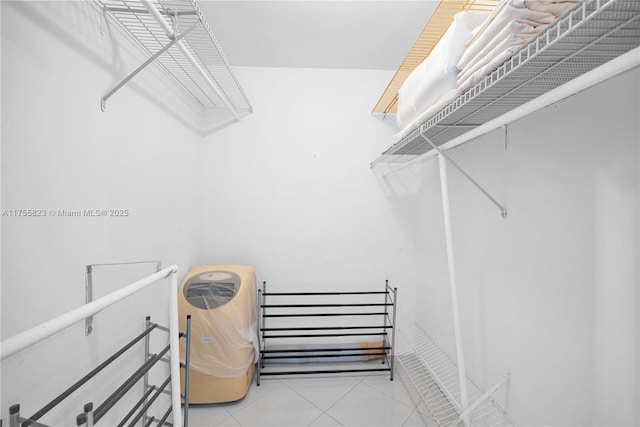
(355, 399)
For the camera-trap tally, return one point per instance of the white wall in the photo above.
(59, 151)
(550, 293)
(290, 191)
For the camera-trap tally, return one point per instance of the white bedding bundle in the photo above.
(434, 80)
(475, 44)
(511, 25)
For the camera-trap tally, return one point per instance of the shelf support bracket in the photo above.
(505, 135)
(168, 31)
(503, 211)
(174, 40)
(88, 286)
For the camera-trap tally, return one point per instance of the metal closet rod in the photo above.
(610, 69)
(451, 264)
(38, 333)
(163, 12)
(31, 336)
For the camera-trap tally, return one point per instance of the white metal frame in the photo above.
(453, 284)
(31, 336)
(596, 32)
(171, 34)
(595, 41)
(606, 71)
(434, 376)
(88, 286)
(176, 36)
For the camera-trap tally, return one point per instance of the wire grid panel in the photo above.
(435, 377)
(200, 42)
(587, 37)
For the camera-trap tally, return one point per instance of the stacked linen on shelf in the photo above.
(433, 83)
(509, 27)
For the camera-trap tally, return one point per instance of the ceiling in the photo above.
(317, 34)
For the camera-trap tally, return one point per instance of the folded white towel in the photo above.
(504, 13)
(556, 8)
(554, 1)
(517, 27)
(512, 41)
(494, 63)
(497, 37)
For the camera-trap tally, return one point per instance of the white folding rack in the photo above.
(587, 37)
(434, 375)
(175, 35)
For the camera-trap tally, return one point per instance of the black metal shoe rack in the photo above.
(305, 316)
(91, 414)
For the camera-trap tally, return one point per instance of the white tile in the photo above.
(325, 420)
(425, 414)
(206, 415)
(227, 422)
(418, 419)
(366, 406)
(281, 407)
(255, 393)
(395, 389)
(324, 391)
(402, 376)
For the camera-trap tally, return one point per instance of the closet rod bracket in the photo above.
(88, 286)
(444, 155)
(172, 41)
(505, 136)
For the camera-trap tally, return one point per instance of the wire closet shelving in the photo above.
(176, 35)
(434, 376)
(595, 32)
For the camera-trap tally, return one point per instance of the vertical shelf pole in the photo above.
(448, 231)
(88, 292)
(259, 333)
(187, 371)
(147, 344)
(174, 336)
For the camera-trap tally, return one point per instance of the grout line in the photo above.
(340, 399)
(256, 390)
(324, 413)
(392, 397)
(278, 383)
(225, 419)
(296, 392)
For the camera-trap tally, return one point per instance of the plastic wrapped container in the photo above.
(221, 300)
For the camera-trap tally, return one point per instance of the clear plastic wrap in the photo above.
(221, 300)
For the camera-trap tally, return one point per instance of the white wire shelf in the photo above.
(195, 62)
(594, 33)
(435, 378)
